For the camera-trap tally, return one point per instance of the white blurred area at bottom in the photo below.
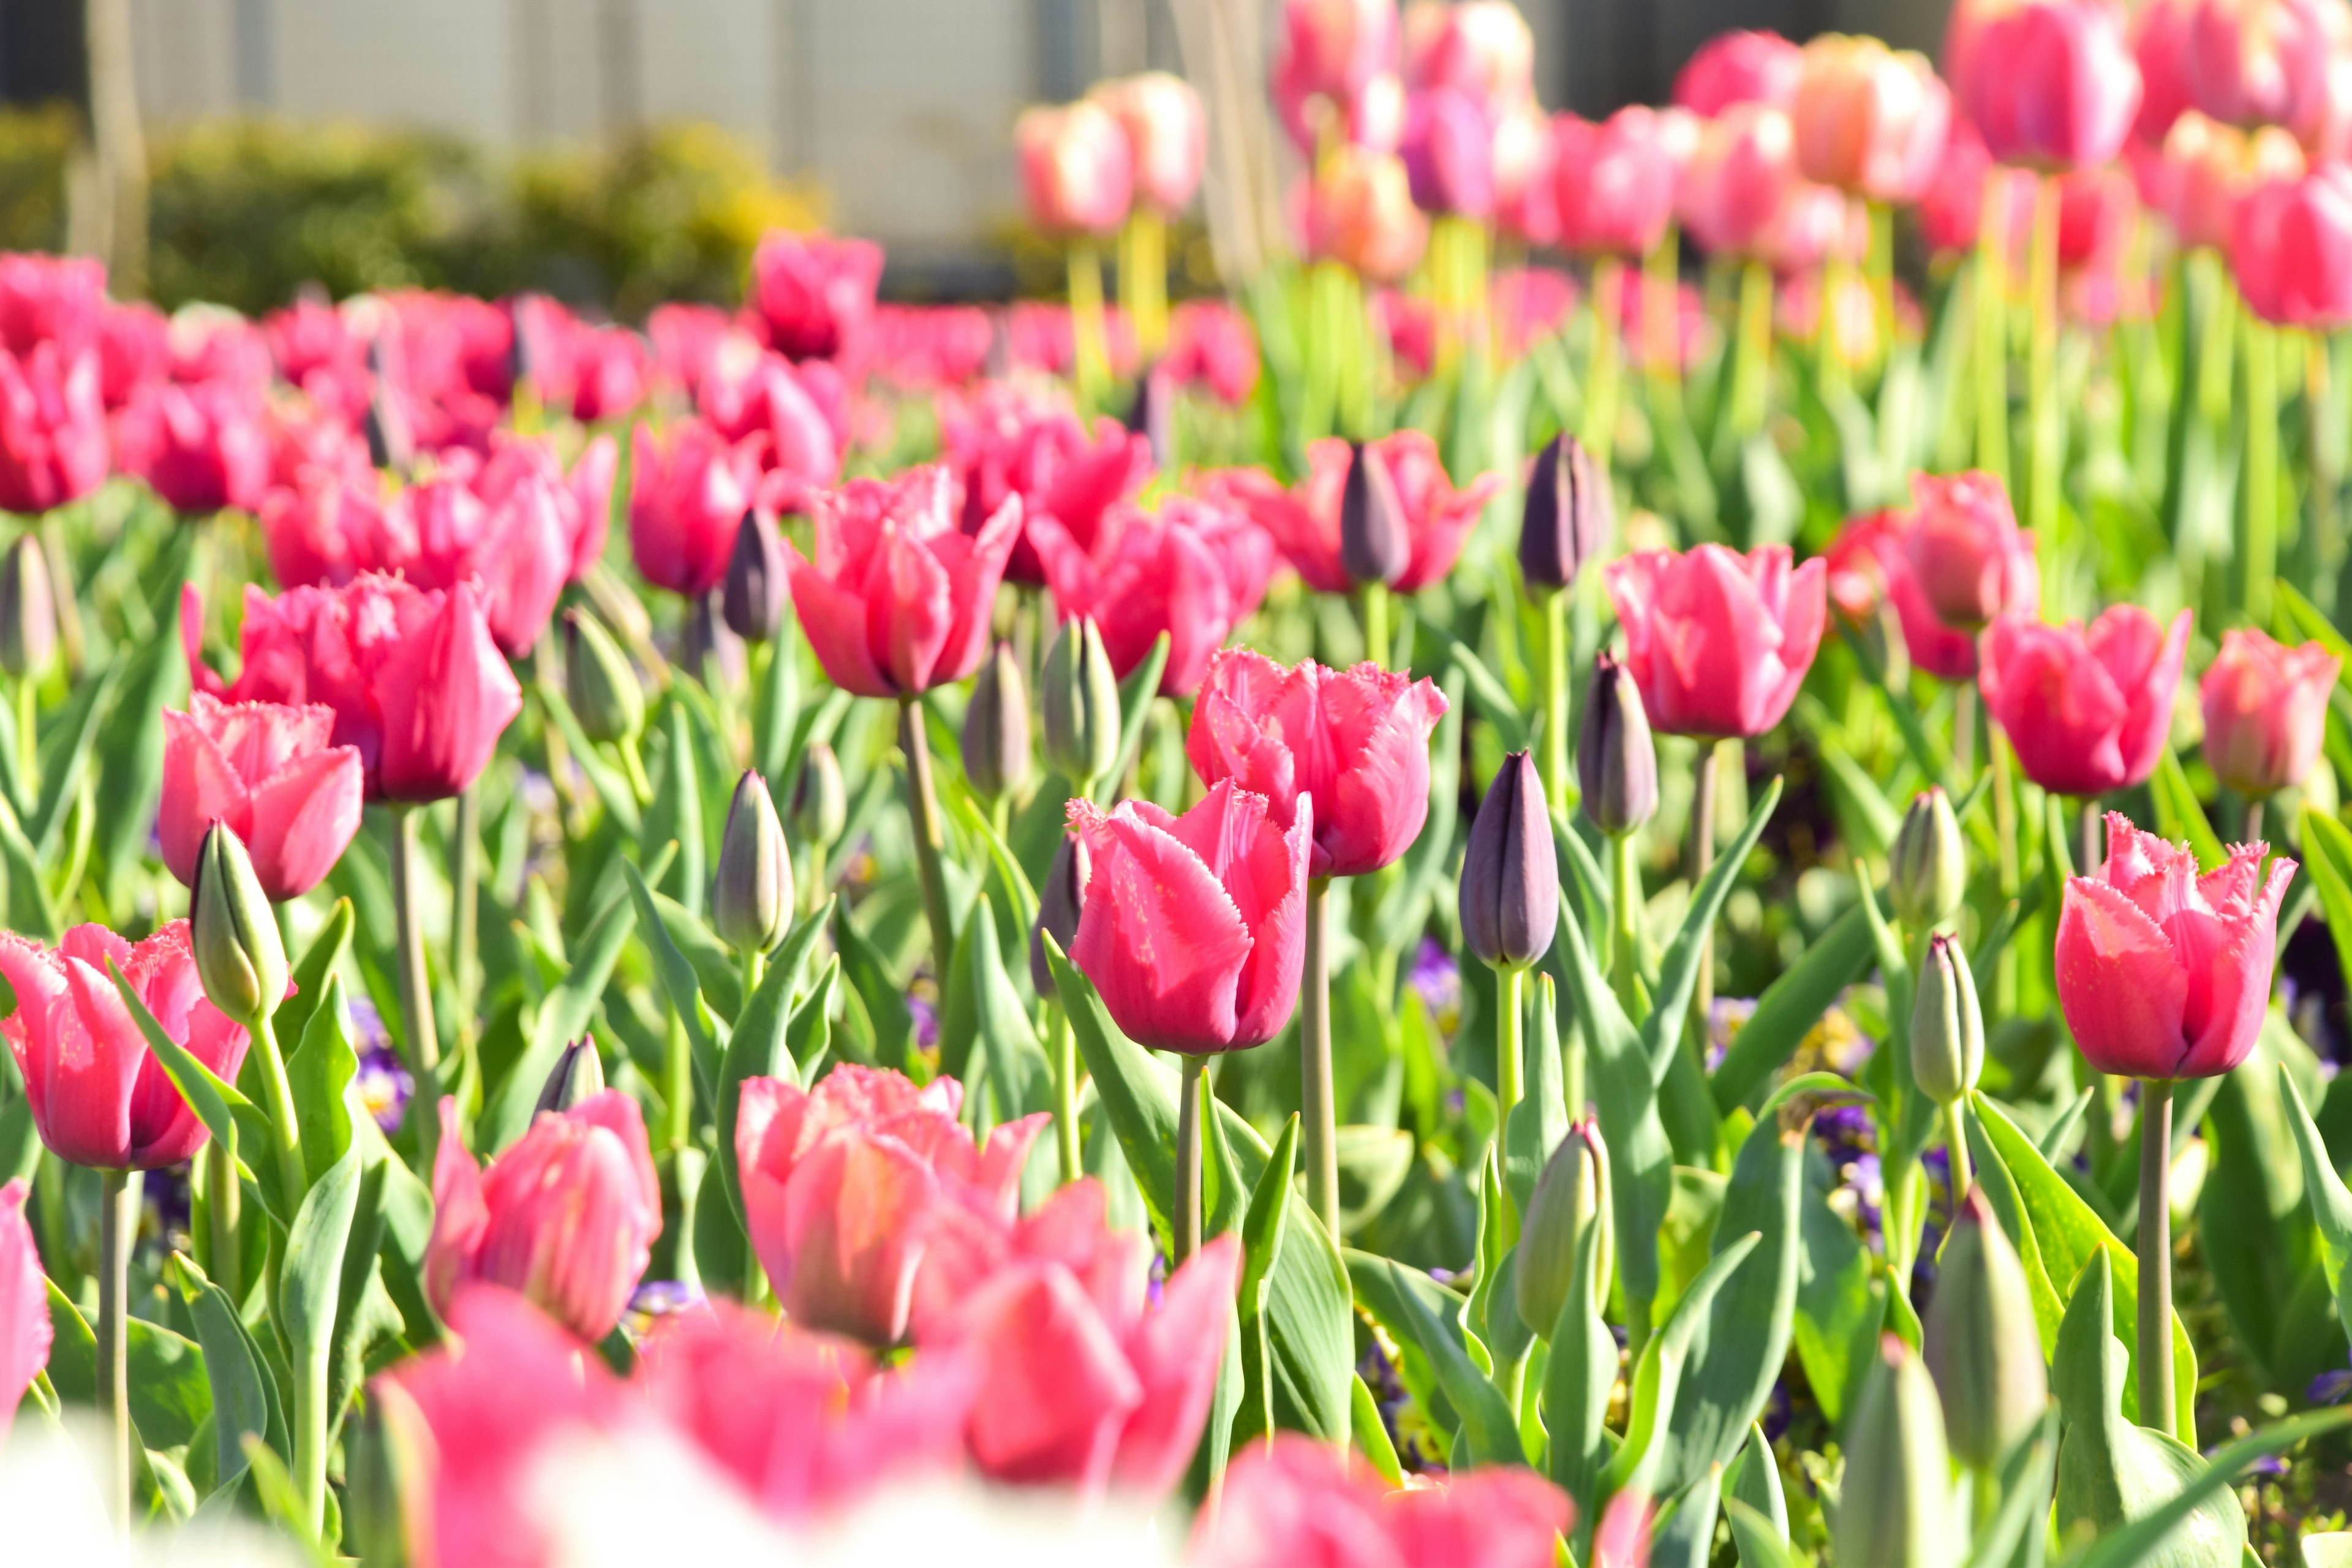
(50, 1495)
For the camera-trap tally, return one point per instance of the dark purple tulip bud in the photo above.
(1375, 544)
(996, 728)
(752, 595)
(522, 353)
(820, 799)
(578, 1073)
(752, 894)
(28, 609)
(1510, 881)
(1616, 762)
(390, 443)
(1567, 517)
(1059, 904)
(1152, 414)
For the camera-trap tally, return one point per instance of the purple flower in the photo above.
(385, 1086)
(1438, 979)
(2330, 1388)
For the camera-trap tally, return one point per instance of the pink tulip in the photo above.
(686, 495)
(1951, 209)
(812, 295)
(747, 391)
(1744, 169)
(1615, 182)
(1449, 152)
(1869, 120)
(53, 442)
(23, 1305)
(1195, 570)
(898, 597)
(312, 339)
(54, 299)
(1002, 442)
(1360, 213)
(1526, 176)
(521, 468)
(2265, 709)
(1718, 642)
(1075, 168)
(609, 372)
(134, 352)
(1869, 563)
(1305, 522)
(99, 1096)
(1481, 48)
(1210, 342)
(2267, 62)
(200, 448)
(1081, 1383)
(1294, 1502)
(2050, 83)
(852, 1190)
(2160, 42)
(566, 1216)
(214, 344)
(2097, 210)
(928, 346)
(2209, 168)
(1333, 47)
(2291, 247)
(1740, 67)
(413, 675)
(1971, 559)
(266, 772)
(684, 337)
(1529, 303)
(1194, 927)
(2087, 711)
(1811, 225)
(2163, 973)
(1356, 741)
(1167, 136)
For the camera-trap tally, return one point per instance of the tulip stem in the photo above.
(1511, 1053)
(1066, 1089)
(2251, 831)
(1187, 1222)
(29, 741)
(1318, 1123)
(415, 986)
(1751, 365)
(923, 809)
(1956, 1145)
(285, 1130)
(1702, 860)
(1601, 370)
(1964, 735)
(118, 1226)
(223, 1199)
(1374, 608)
(2262, 468)
(1990, 298)
(1625, 907)
(2156, 1255)
(1555, 698)
(465, 882)
(1089, 342)
(2091, 846)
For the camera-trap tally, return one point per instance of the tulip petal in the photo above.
(302, 819)
(1057, 1389)
(1160, 936)
(854, 1212)
(2122, 988)
(833, 617)
(460, 1216)
(446, 695)
(201, 787)
(1176, 1353)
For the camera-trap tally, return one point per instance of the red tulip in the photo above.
(898, 597)
(267, 773)
(1193, 569)
(1194, 927)
(1740, 67)
(1971, 559)
(2207, 169)
(566, 1216)
(1167, 136)
(1615, 180)
(1869, 120)
(1079, 1383)
(1870, 560)
(686, 495)
(2165, 974)
(53, 445)
(2050, 83)
(2087, 711)
(1718, 642)
(747, 391)
(1448, 149)
(1075, 168)
(1360, 213)
(1001, 442)
(2291, 246)
(812, 295)
(99, 1096)
(1305, 522)
(2265, 709)
(23, 1305)
(54, 299)
(1298, 1503)
(1742, 172)
(1356, 741)
(851, 1188)
(416, 682)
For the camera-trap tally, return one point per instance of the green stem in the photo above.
(2045, 421)
(1187, 1226)
(1991, 324)
(2155, 1257)
(678, 1089)
(285, 1130)
(1751, 367)
(28, 737)
(465, 884)
(1702, 850)
(415, 986)
(923, 811)
(1956, 1144)
(1089, 346)
(1660, 285)
(310, 1383)
(1601, 370)
(1065, 1091)
(2090, 839)
(1510, 1052)
(118, 1226)
(2004, 822)
(632, 765)
(1555, 698)
(1625, 907)
(1374, 608)
(1964, 734)
(1318, 1117)
(2262, 471)
(223, 1199)
(755, 969)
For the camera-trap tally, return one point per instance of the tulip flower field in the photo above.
(1639, 861)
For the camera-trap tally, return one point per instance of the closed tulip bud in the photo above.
(578, 1073)
(1982, 1345)
(233, 932)
(1947, 1026)
(1152, 416)
(820, 800)
(751, 895)
(1510, 881)
(29, 611)
(1059, 903)
(1896, 1508)
(1571, 1194)
(388, 1465)
(1616, 762)
(603, 689)
(996, 728)
(1927, 871)
(1375, 538)
(753, 592)
(1567, 516)
(1080, 701)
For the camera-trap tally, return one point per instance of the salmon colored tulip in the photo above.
(1869, 120)
(1001, 443)
(687, 493)
(99, 1096)
(1971, 560)
(1167, 136)
(1083, 1381)
(1616, 181)
(1718, 642)
(23, 1305)
(2049, 83)
(1743, 170)
(1194, 570)
(1740, 67)
(2207, 168)
(1480, 48)
(1356, 741)
(265, 772)
(53, 440)
(1304, 522)
(1075, 169)
(2087, 711)
(2291, 247)
(2163, 972)
(2265, 709)
(898, 597)
(812, 295)
(1194, 928)
(1360, 213)
(566, 1216)
(416, 683)
(1870, 562)
(848, 1188)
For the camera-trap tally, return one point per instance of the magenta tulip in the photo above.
(53, 438)
(1970, 558)
(1615, 182)
(2050, 83)
(812, 295)
(2265, 709)
(1449, 152)
(2291, 247)
(686, 496)
(1303, 521)
(1741, 173)
(1001, 442)
(1740, 67)
(1718, 642)
(1193, 570)
(200, 448)
(2087, 711)
(267, 773)
(23, 1305)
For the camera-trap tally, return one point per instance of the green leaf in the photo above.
(1753, 1535)
(722, 1251)
(244, 1394)
(170, 1393)
(1662, 1031)
(131, 755)
(1657, 1379)
(1792, 1006)
(1685, 1537)
(2179, 815)
(1135, 695)
(31, 911)
(318, 961)
(1579, 1378)
(2134, 1543)
(611, 787)
(2328, 856)
(681, 980)
(562, 1017)
(320, 1072)
(64, 753)
(1262, 1233)
(2331, 1202)
(1492, 698)
(1488, 1424)
(226, 1114)
(716, 969)
(314, 1257)
(1838, 1306)
(886, 1002)
(1371, 1434)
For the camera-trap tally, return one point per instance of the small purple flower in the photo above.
(2330, 1388)
(1725, 1015)
(1438, 980)
(385, 1083)
(657, 1299)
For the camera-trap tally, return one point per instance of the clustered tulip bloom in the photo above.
(201, 448)
(812, 295)
(2050, 83)
(2265, 709)
(686, 496)
(1739, 68)
(1869, 563)
(1003, 443)
(24, 1332)
(2207, 169)
(1304, 522)
(2087, 711)
(53, 440)
(1718, 642)
(266, 772)
(99, 1096)
(2291, 248)
(1743, 169)
(1167, 136)
(1193, 570)
(794, 416)
(1869, 120)
(2163, 972)
(1615, 182)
